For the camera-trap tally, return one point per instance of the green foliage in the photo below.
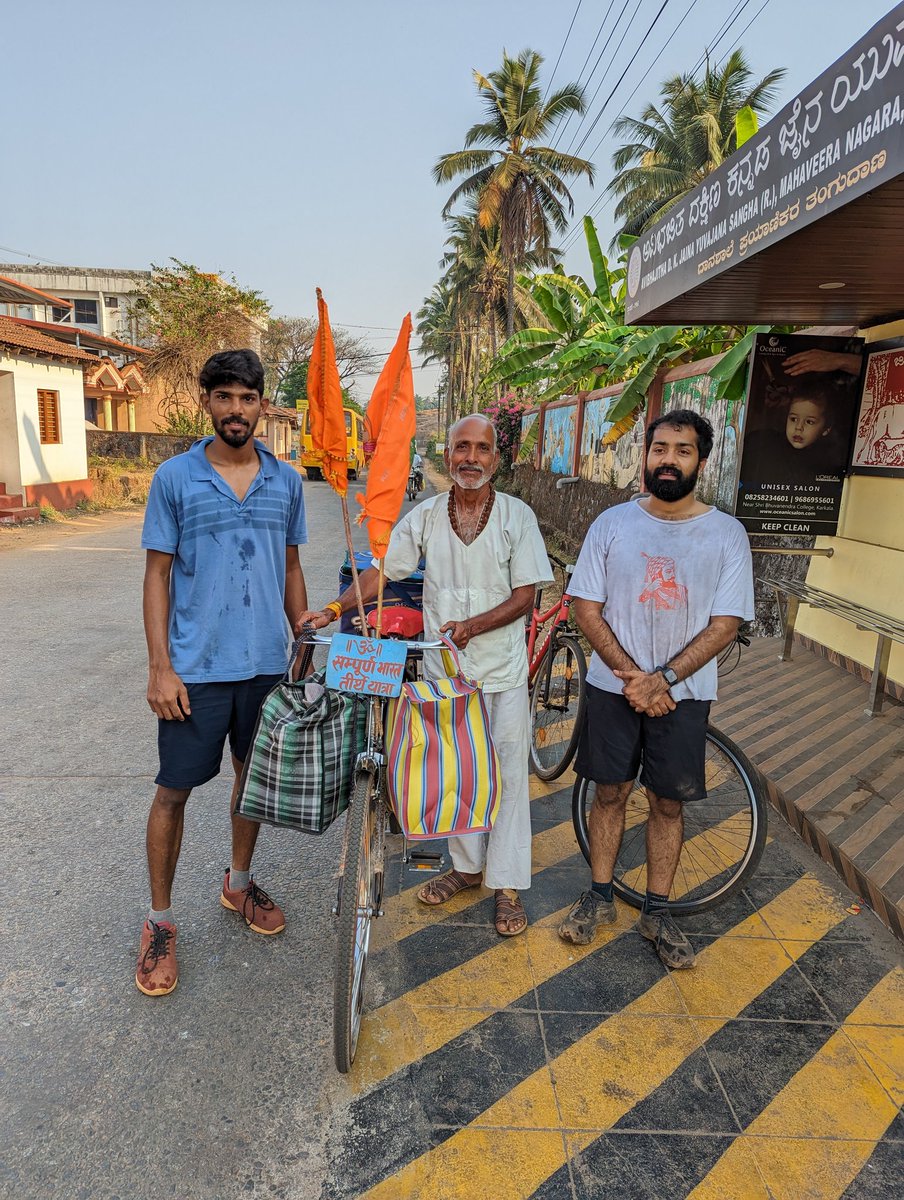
(746, 125)
(185, 315)
(679, 140)
(294, 385)
(585, 344)
(505, 413)
(49, 513)
(514, 178)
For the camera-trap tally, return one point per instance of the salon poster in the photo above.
(802, 400)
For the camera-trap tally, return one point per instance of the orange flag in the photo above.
(325, 403)
(385, 386)
(393, 422)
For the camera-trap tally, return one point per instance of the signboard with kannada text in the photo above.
(840, 138)
(365, 666)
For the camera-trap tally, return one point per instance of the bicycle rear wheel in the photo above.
(724, 834)
(557, 707)
(359, 902)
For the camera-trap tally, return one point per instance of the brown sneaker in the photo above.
(158, 971)
(585, 918)
(261, 913)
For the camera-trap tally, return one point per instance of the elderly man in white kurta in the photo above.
(483, 555)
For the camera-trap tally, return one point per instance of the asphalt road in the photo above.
(227, 1087)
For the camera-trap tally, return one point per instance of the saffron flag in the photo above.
(325, 403)
(392, 424)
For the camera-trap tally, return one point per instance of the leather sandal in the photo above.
(509, 911)
(444, 887)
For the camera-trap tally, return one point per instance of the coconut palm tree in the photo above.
(679, 142)
(516, 178)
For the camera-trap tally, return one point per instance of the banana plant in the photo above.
(586, 345)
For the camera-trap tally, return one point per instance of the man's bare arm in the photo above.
(369, 580)
(518, 605)
(167, 694)
(643, 690)
(719, 633)
(588, 615)
(295, 599)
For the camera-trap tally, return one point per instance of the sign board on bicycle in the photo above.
(365, 666)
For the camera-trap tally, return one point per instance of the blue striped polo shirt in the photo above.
(228, 579)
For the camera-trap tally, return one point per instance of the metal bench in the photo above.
(886, 628)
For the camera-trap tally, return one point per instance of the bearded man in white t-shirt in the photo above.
(661, 586)
(483, 557)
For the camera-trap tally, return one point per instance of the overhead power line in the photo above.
(597, 118)
(560, 136)
(723, 30)
(602, 81)
(746, 27)
(562, 51)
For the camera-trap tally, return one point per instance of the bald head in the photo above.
(456, 429)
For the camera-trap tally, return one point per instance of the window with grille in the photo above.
(49, 416)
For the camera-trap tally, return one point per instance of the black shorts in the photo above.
(616, 740)
(191, 750)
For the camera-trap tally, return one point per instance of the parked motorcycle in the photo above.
(414, 484)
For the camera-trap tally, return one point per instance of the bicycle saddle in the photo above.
(398, 621)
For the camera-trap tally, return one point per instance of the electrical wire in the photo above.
(746, 27)
(561, 132)
(562, 51)
(652, 26)
(608, 65)
(574, 234)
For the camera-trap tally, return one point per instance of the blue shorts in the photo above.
(191, 750)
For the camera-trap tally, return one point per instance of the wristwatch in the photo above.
(668, 675)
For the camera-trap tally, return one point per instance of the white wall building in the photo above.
(99, 296)
(43, 454)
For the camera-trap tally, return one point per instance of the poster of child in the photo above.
(801, 403)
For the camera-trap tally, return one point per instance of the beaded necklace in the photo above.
(469, 532)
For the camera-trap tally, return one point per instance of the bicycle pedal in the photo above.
(425, 860)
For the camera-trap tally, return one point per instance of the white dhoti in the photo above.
(503, 854)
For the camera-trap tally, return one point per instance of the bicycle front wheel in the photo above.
(359, 900)
(724, 834)
(557, 707)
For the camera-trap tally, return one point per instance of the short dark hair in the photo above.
(233, 366)
(681, 418)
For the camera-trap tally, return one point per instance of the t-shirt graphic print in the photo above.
(660, 583)
(661, 587)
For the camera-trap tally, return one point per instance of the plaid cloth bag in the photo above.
(443, 775)
(301, 764)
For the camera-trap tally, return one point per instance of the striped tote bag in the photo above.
(443, 774)
(301, 764)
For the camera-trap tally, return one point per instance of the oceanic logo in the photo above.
(773, 341)
(634, 265)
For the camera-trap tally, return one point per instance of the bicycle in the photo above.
(557, 676)
(724, 835)
(359, 897)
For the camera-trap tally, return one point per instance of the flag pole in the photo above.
(356, 582)
(380, 582)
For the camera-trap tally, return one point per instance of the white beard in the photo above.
(469, 484)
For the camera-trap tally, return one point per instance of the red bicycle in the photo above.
(557, 680)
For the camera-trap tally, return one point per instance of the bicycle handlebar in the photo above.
(567, 568)
(324, 640)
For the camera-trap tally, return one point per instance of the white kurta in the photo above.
(461, 582)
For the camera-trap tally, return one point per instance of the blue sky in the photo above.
(291, 143)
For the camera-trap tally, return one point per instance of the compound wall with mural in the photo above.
(559, 430)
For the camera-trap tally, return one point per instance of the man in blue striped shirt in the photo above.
(223, 585)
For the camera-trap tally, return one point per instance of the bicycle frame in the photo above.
(559, 610)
